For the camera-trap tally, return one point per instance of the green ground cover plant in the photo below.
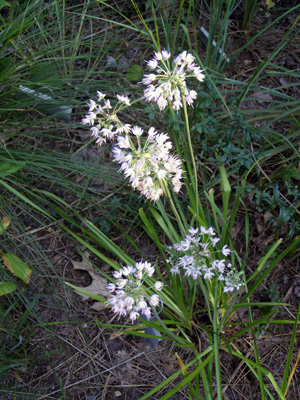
(230, 152)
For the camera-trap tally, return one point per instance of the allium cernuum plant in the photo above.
(104, 123)
(197, 256)
(128, 295)
(167, 82)
(149, 164)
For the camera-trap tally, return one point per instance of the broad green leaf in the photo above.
(4, 3)
(135, 73)
(270, 4)
(4, 224)
(7, 287)
(16, 266)
(226, 190)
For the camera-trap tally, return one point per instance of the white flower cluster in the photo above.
(194, 255)
(168, 84)
(128, 295)
(105, 124)
(150, 164)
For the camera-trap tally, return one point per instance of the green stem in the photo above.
(187, 175)
(205, 378)
(168, 194)
(216, 349)
(170, 333)
(199, 209)
(207, 295)
(187, 125)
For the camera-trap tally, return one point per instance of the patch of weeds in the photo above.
(226, 140)
(280, 211)
(272, 295)
(271, 292)
(13, 349)
(118, 208)
(150, 112)
(230, 154)
(105, 222)
(261, 331)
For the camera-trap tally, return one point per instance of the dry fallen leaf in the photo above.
(98, 285)
(270, 4)
(262, 96)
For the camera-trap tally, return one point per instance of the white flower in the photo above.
(232, 280)
(186, 261)
(154, 300)
(129, 296)
(152, 64)
(117, 274)
(193, 94)
(148, 79)
(127, 270)
(89, 119)
(214, 240)
(92, 105)
(149, 269)
(147, 312)
(111, 287)
(128, 302)
(165, 55)
(208, 274)
(221, 265)
(95, 131)
(225, 250)
(176, 105)
(100, 95)
(124, 99)
(175, 270)
(107, 104)
(205, 231)
(161, 174)
(123, 142)
(162, 103)
(193, 231)
(121, 283)
(147, 166)
(124, 129)
(168, 85)
(100, 141)
(158, 285)
(133, 315)
(140, 266)
(137, 131)
(86, 121)
(189, 100)
(197, 256)
(105, 123)
(158, 56)
(185, 244)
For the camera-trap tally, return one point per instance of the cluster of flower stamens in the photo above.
(129, 296)
(168, 84)
(149, 165)
(104, 123)
(196, 255)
